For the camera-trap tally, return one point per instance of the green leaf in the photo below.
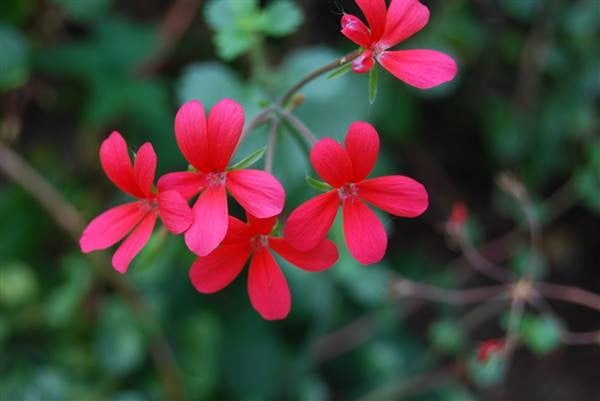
(372, 85)
(232, 43)
(318, 185)
(209, 82)
(281, 18)
(341, 70)
(14, 63)
(447, 336)
(249, 160)
(490, 372)
(224, 15)
(540, 333)
(87, 10)
(19, 285)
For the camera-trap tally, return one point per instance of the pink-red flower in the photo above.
(488, 348)
(388, 27)
(135, 218)
(267, 287)
(208, 144)
(346, 170)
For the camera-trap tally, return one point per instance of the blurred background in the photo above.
(525, 101)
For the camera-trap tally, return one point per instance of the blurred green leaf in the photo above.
(540, 333)
(231, 44)
(490, 372)
(224, 15)
(522, 10)
(18, 285)
(85, 10)
(447, 335)
(372, 84)
(15, 11)
(14, 63)
(119, 343)
(281, 17)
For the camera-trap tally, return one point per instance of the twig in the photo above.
(176, 22)
(67, 217)
(408, 288)
(481, 264)
(272, 142)
(569, 294)
(261, 118)
(282, 102)
(298, 126)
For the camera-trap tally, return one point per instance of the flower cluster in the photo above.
(224, 243)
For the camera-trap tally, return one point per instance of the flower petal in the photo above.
(210, 221)
(363, 63)
(331, 162)
(186, 183)
(362, 146)
(237, 232)
(191, 136)
(308, 224)
(422, 69)
(365, 236)
(404, 19)
(144, 168)
(355, 30)
(175, 212)
(261, 226)
(215, 271)
(396, 194)
(321, 257)
(267, 287)
(116, 163)
(375, 13)
(225, 124)
(134, 243)
(259, 192)
(110, 227)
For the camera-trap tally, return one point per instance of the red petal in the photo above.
(363, 63)
(267, 287)
(144, 168)
(117, 164)
(210, 221)
(404, 19)
(175, 212)
(213, 272)
(225, 124)
(422, 69)
(110, 227)
(321, 257)
(261, 226)
(237, 232)
(134, 243)
(354, 29)
(365, 236)
(186, 183)
(259, 193)
(375, 13)
(331, 162)
(396, 194)
(362, 146)
(191, 136)
(308, 224)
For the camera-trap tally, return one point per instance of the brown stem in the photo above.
(282, 102)
(299, 126)
(408, 288)
(569, 294)
(272, 142)
(67, 217)
(481, 264)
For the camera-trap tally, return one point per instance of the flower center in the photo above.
(216, 179)
(259, 241)
(348, 191)
(377, 49)
(149, 204)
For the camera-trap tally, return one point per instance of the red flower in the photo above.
(459, 215)
(135, 218)
(267, 287)
(423, 69)
(346, 170)
(208, 147)
(488, 348)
